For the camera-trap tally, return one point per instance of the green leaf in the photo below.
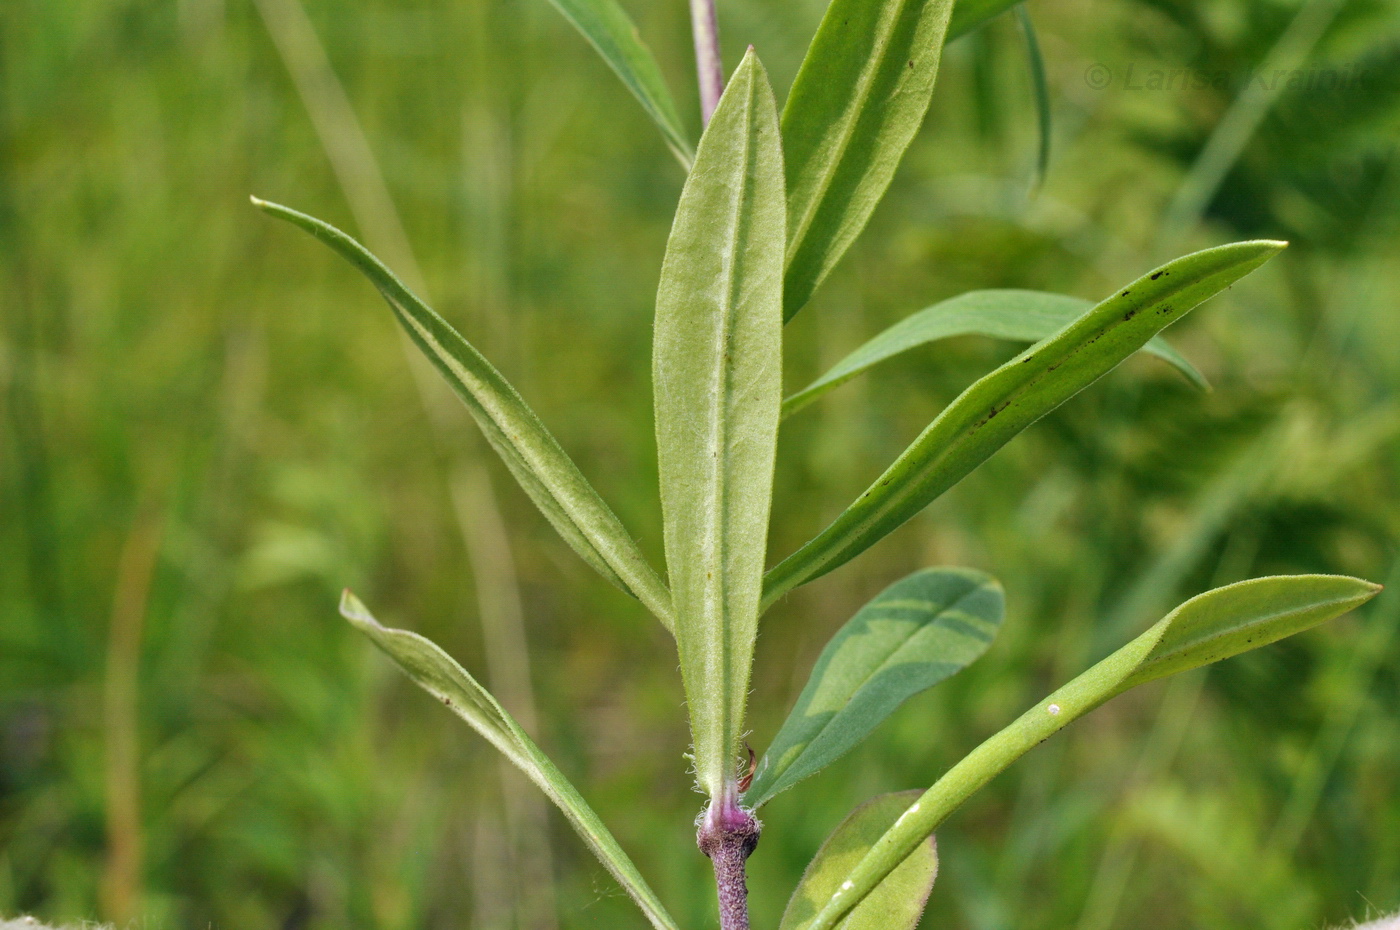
(532, 454)
(717, 375)
(1021, 316)
(1209, 627)
(1040, 87)
(896, 903)
(914, 634)
(856, 104)
(994, 409)
(609, 29)
(970, 15)
(435, 672)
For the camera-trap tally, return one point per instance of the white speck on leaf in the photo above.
(1054, 710)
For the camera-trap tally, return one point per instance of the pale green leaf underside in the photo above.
(437, 673)
(717, 376)
(857, 102)
(997, 407)
(898, 902)
(1015, 315)
(532, 454)
(1209, 627)
(610, 31)
(911, 636)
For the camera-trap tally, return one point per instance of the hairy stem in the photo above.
(728, 834)
(709, 66)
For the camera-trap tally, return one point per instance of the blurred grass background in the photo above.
(209, 427)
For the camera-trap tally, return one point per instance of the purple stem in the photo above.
(709, 66)
(728, 833)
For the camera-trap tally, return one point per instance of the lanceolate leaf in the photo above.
(717, 369)
(914, 634)
(1040, 87)
(608, 29)
(858, 100)
(997, 407)
(435, 672)
(531, 453)
(1021, 316)
(1207, 628)
(896, 903)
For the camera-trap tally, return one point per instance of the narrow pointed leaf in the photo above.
(717, 371)
(1040, 89)
(994, 409)
(914, 634)
(1209, 627)
(896, 903)
(970, 15)
(1020, 316)
(856, 104)
(532, 454)
(610, 31)
(437, 673)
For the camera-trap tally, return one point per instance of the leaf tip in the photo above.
(352, 609)
(1269, 247)
(1370, 589)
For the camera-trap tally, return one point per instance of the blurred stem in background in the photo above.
(121, 718)
(709, 62)
(479, 521)
(508, 670)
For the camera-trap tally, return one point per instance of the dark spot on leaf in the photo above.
(1130, 314)
(1157, 274)
(1125, 293)
(911, 62)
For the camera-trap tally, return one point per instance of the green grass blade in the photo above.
(994, 409)
(717, 372)
(897, 902)
(1015, 315)
(437, 673)
(532, 454)
(969, 15)
(858, 99)
(1040, 89)
(911, 636)
(609, 29)
(1207, 628)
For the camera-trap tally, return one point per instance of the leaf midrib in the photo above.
(720, 423)
(848, 129)
(965, 434)
(1186, 646)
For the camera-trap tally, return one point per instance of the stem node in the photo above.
(728, 834)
